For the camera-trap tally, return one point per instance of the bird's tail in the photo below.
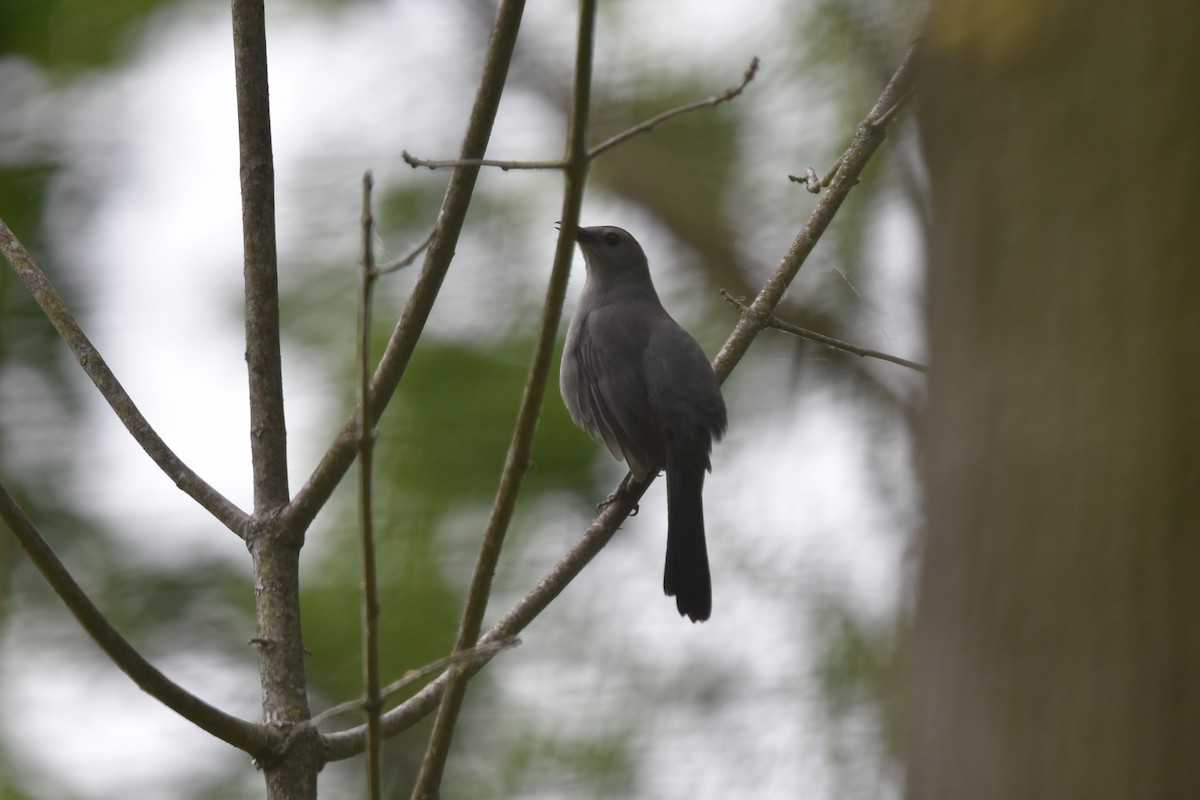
(686, 575)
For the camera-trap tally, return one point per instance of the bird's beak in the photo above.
(582, 235)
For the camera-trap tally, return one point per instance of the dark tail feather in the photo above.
(686, 576)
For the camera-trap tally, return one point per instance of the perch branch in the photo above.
(516, 462)
(348, 743)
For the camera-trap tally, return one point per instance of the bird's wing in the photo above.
(682, 388)
(614, 401)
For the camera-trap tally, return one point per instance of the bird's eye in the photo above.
(611, 238)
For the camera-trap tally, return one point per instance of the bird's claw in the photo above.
(612, 498)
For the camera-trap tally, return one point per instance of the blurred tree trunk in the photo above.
(1057, 643)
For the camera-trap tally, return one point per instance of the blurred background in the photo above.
(118, 169)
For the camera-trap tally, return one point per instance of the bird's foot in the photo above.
(622, 489)
(612, 498)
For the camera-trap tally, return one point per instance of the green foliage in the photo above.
(25, 334)
(858, 667)
(71, 35)
(681, 171)
(439, 451)
(598, 766)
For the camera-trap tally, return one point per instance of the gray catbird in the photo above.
(635, 380)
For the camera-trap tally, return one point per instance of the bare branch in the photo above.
(894, 96)
(820, 338)
(505, 166)
(867, 139)
(708, 102)
(274, 545)
(309, 500)
(110, 388)
(478, 653)
(253, 739)
(409, 257)
(517, 460)
(613, 141)
(345, 744)
(268, 432)
(366, 521)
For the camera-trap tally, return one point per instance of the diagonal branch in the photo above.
(253, 739)
(517, 460)
(829, 341)
(658, 119)
(94, 366)
(325, 478)
(348, 743)
(867, 139)
(607, 144)
(483, 651)
(408, 258)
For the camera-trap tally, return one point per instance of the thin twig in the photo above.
(517, 459)
(881, 115)
(867, 139)
(392, 364)
(366, 451)
(477, 653)
(820, 338)
(607, 144)
(254, 739)
(708, 102)
(409, 257)
(500, 164)
(814, 183)
(114, 393)
(348, 743)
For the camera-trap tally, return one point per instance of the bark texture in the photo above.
(1057, 643)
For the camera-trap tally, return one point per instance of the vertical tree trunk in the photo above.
(1057, 643)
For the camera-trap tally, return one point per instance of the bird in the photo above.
(636, 381)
